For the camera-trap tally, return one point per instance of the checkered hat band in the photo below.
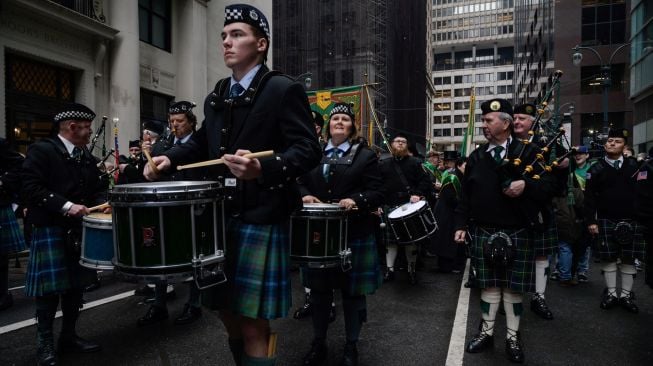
(231, 14)
(341, 108)
(182, 109)
(76, 115)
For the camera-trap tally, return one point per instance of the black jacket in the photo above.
(51, 178)
(611, 193)
(395, 190)
(10, 165)
(272, 114)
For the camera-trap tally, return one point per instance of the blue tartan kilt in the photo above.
(11, 236)
(363, 278)
(546, 242)
(52, 268)
(257, 266)
(609, 249)
(519, 276)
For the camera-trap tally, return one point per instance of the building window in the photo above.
(459, 131)
(347, 77)
(603, 23)
(592, 79)
(442, 132)
(442, 107)
(348, 47)
(154, 106)
(154, 23)
(329, 79)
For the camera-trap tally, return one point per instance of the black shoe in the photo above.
(608, 301)
(538, 305)
(154, 314)
(332, 313)
(628, 303)
(305, 310)
(92, 287)
(514, 350)
(171, 294)
(480, 342)
(77, 344)
(189, 315)
(412, 277)
(144, 291)
(46, 354)
(317, 355)
(6, 301)
(388, 276)
(350, 355)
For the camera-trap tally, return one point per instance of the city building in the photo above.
(641, 74)
(473, 48)
(124, 59)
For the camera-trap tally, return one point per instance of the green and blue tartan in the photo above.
(51, 270)
(257, 266)
(11, 237)
(363, 278)
(609, 249)
(519, 276)
(546, 242)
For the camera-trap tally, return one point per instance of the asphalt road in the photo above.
(407, 325)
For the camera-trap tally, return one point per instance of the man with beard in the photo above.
(611, 215)
(404, 181)
(499, 208)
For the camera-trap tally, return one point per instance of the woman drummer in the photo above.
(348, 176)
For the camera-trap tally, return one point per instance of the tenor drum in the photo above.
(97, 242)
(318, 236)
(412, 222)
(168, 230)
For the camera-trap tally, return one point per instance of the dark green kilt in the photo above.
(257, 267)
(546, 242)
(609, 249)
(363, 278)
(11, 237)
(53, 268)
(519, 276)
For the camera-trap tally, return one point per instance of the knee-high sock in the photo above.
(610, 275)
(541, 275)
(411, 255)
(355, 308)
(391, 256)
(490, 299)
(628, 272)
(194, 295)
(512, 304)
(320, 307)
(4, 274)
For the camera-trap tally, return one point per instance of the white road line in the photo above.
(90, 305)
(16, 288)
(457, 341)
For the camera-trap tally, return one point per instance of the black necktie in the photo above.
(178, 142)
(616, 164)
(496, 153)
(77, 153)
(236, 90)
(335, 153)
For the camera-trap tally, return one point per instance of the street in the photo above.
(407, 325)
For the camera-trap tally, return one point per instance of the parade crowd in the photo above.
(522, 207)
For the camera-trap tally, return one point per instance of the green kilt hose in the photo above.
(11, 237)
(52, 269)
(546, 243)
(257, 267)
(517, 276)
(363, 278)
(609, 249)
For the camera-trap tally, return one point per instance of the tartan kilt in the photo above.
(609, 249)
(546, 243)
(52, 269)
(257, 266)
(363, 278)
(11, 236)
(519, 276)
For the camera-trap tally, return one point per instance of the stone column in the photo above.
(192, 53)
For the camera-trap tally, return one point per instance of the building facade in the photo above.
(641, 74)
(124, 59)
(473, 48)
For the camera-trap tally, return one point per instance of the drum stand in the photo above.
(208, 271)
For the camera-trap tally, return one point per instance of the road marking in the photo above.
(457, 341)
(16, 288)
(90, 305)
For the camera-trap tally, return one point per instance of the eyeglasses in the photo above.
(400, 141)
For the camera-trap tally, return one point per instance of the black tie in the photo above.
(497, 153)
(236, 90)
(617, 163)
(77, 153)
(178, 142)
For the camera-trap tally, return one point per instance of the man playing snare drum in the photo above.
(253, 110)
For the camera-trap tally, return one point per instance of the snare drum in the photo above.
(167, 230)
(412, 222)
(97, 242)
(318, 236)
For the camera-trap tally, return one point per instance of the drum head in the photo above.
(98, 218)
(162, 191)
(406, 209)
(321, 207)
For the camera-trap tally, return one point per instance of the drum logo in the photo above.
(316, 237)
(148, 236)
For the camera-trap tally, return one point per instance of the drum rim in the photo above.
(421, 204)
(310, 207)
(142, 187)
(163, 203)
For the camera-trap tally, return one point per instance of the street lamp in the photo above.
(606, 79)
(307, 78)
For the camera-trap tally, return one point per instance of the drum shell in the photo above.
(318, 236)
(97, 242)
(413, 227)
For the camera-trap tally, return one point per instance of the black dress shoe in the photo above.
(305, 310)
(92, 287)
(189, 315)
(628, 303)
(332, 313)
(388, 276)
(46, 355)
(77, 344)
(350, 355)
(514, 350)
(538, 306)
(480, 342)
(6, 301)
(317, 355)
(154, 314)
(608, 301)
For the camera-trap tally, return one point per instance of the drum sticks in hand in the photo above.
(260, 154)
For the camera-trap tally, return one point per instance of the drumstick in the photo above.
(272, 344)
(260, 154)
(99, 207)
(150, 161)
